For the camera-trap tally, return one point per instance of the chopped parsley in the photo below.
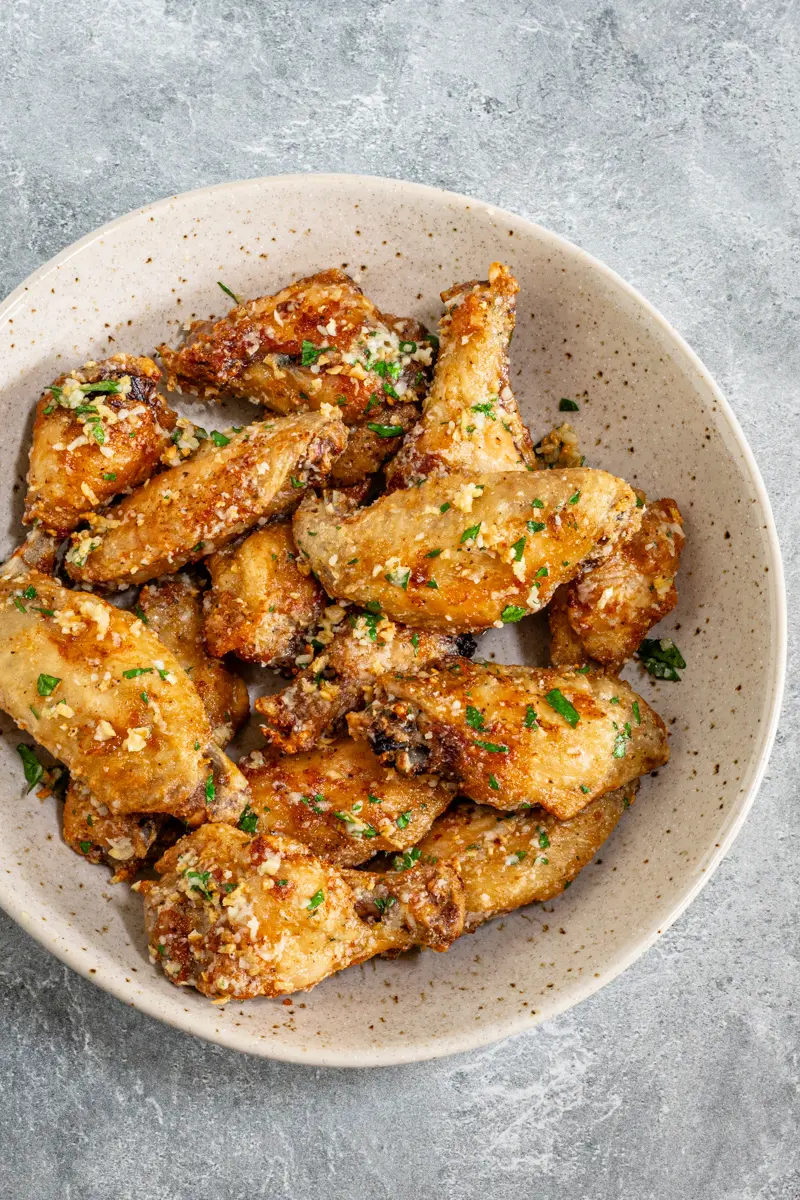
(47, 684)
(512, 613)
(565, 405)
(443, 507)
(544, 840)
(432, 584)
(519, 855)
(310, 353)
(636, 713)
(560, 704)
(475, 718)
(493, 784)
(248, 820)
(30, 592)
(433, 553)
(408, 347)
(316, 900)
(403, 862)
(218, 438)
(574, 498)
(85, 847)
(32, 767)
(228, 292)
(399, 577)
(383, 904)
(135, 672)
(202, 878)
(621, 740)
(537, 503)
(518, 549)
(535, 526)
(110, 476)
(492, 747)
(385, 431)
(375, 799)
(210, 789)
(531, 717)
(661, 658)
(139, 612)
(584, 789)
(104, 387)
(487, 410)
(297, 483)
(18, 604)
(470, 534)
(403, 821)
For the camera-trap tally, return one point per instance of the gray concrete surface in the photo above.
(664, 139)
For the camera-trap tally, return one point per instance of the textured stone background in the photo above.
(664, 139)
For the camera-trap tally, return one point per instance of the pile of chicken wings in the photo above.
(387, 508)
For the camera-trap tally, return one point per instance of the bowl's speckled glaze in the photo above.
(648, 412)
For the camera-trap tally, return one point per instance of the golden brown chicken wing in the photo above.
(340, 801)
(98, 432)
(98, 690)
(172, 608)
(466, 553)
(319, 341)
(237, 916)
(510, 736)
(260, 605)
(340, 677)
(125, 842)
(508, 860)
(606, 611)
(228, 486)
(470, 421)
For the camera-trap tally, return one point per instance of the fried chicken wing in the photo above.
(340, 801)
(470, 421)
(106, 698)
(226, 488)
(340, 677)
(237, 916)
(605, 612)
(466, 553)
(260, 605)
(320, 340)
(507, 861)
(510, 736)
(98, 431)
(125, 842)
(172, 608)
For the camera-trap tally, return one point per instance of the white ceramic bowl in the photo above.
(648, 411)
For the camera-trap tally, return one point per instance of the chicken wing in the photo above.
(172, 608)
(260, 605)
(508, 860)
(318, 341)
(125, 842)
(98, 432)
(470, 421)
(106, 698)
(237, 916)
(510, 736)
(606, 611)
(340, 677)
(466, 553)
(340, 801)
(229, 485)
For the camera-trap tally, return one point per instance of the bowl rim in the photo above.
(467, 1039)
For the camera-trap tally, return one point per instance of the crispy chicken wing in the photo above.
(172, 608)
(318, 341)
(225, 489)
(340, 801)
(508, 860)
(108, 699)
(125, 842)
(515, 735)
(340, 677)
(466, 553)
(606, 611)
(470, 421)
(237, 916)
(98, 432)
(260, 605)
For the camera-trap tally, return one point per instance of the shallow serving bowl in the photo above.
(648, 411)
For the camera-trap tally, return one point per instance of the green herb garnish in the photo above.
(560, 704)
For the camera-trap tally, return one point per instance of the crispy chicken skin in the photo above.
(470, 421)
(91, 442)
(466, 552)
(172, 606)
(124, 842)
(260, 606)
(340, 801)
(318, 341)
(75, 671)
(340, 677)
(509, 736)
(605, 612)
(220, 493)
(237, 916)
(507, 861)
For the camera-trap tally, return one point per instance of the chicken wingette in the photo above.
(340, 801)
(229, 485)
(356, 649)
(320, 340)
(172, 609)
(108, 699)
(237, 916)
(509, 736)
(511, 859)
(462, 552)
(605, 612)
(98, 431)
(125, 842)
(260, 606)
(470, 421)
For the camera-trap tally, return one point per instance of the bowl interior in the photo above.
(648, 412)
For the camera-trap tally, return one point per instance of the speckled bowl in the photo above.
(648, 411)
